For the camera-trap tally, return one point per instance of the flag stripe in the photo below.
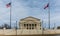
(8, 5)
(46, 6)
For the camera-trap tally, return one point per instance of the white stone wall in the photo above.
(27, 32)
(1, 32)
(19, 32)
(55, 31)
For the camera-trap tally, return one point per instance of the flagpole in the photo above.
(54, 25)
(10, 13)
(16, 28)
(42, 29)
(49, 14)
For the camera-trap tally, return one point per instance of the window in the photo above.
(27, 27)
(29, 24)
(32, 27)
(32, 24)
(35, 25)
(40, 28)
(24, 25)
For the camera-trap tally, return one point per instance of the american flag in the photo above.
(8, 5)
(46, 6)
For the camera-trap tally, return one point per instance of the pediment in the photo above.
(30, 18)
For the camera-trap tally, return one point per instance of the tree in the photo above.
(58, 27)
(6, 26)
(1, 27)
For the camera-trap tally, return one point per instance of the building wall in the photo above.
(30, 21)
(19, 32)
(27, 32)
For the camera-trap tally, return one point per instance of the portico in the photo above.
(30, 23)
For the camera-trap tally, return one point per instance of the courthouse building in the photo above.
(30, 23)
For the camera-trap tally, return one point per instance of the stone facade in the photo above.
(30, 23)
(29, 26)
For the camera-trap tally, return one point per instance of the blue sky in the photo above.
(35, 8)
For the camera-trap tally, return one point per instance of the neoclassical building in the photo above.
(30, 23)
